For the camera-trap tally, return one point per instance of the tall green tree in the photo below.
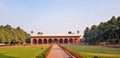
(9, 34)
(104, 32)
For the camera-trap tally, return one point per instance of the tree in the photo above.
(86, 39)
(40, 33)
(69, 32)
(94, 27)
(9, 34)
(86, 30)
(105, 32)
(32, 32)
(112, 20)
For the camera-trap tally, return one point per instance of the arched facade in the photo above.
(39, 41)
(71, 40)
(50, 41)
(58, 39)
(65, 41)
(45, 41)
(61, 41)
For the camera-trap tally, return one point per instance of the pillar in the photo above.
(58, 40)
(37, 40)
(68, 40)
(47, 40)
(31, 41)
(42, 40)
(63, 40)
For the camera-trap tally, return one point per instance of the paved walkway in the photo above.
(57, 52)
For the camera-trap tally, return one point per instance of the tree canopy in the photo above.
(9, 35)
(108, 32)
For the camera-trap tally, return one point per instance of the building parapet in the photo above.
(55, 35)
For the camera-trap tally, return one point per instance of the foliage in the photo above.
(32, 32)
(43, 52)
(40, 33)
(92, 51)
(10, 35)
(108, 32)
(70, 32)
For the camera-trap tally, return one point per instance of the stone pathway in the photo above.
(58, 52)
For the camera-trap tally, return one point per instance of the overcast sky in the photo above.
(57, 16)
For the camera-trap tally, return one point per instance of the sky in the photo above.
(57, 16)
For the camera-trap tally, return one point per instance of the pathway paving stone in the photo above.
(57, 52)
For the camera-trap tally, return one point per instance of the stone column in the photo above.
(63, 40)
(31, 41)
(47, 40)
(37, 40)
(42, 40)
(58, 40)
(78, 40)
(73, 40)
(68, 40)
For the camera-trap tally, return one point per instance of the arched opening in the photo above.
(66, 41)
(45, 41)
(61, 41)
(50, 41)
(34, 41)
(71, 40)
(40, 41)
(55, 40)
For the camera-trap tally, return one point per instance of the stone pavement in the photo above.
(57, 52)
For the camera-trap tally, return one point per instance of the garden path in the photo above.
(57, 52)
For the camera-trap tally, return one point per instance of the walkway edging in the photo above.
(45, 56)
(71, 52)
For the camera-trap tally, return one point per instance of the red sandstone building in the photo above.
(55, 38)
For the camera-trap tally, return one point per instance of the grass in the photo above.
(22, 51)
(92, 51)
(43, 53)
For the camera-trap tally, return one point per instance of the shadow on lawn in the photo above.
(2, 55)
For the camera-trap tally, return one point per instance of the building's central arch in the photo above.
(55, 40)
(50, 41)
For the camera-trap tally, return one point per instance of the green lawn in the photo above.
(91, 51)
(21, 51)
